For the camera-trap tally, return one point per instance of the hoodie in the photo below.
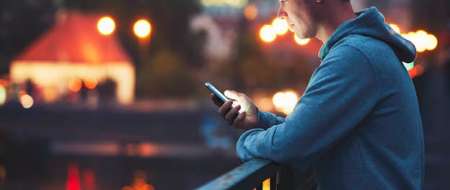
(357, 125)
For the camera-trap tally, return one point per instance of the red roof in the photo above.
(75, 39)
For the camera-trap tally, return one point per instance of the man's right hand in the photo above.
(240, 112)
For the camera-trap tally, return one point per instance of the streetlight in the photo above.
(106, 25)
(142, 29)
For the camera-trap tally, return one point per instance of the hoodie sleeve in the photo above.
(341, 93)
(267, 119)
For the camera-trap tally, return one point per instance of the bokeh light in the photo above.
(300, 41)
(285, 101)
(142, 28)
(2, 95)
(280, 26)
(251, 12)
(422, 40)
(75, 85)
(26, 101)
(267, 34)
(91, 84)
(432, 42)
(106, 25)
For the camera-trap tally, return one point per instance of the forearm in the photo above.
(267, 119)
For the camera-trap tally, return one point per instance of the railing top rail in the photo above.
(244, 176)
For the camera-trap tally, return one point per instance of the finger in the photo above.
(231, 115)
(239, 119)
(231, 94)
(223, 110)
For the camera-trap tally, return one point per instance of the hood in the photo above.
(370, 22)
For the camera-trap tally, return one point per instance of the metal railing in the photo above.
(253, 175)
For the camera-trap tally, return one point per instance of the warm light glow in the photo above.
(90, 84)
(264, 102)
(75, 85)
(422, 40)
(2, 95)
(106, 25)
(280, 26)
(300, 41)
(266, 184)
(140, 182)
(251, 12)
(285, 101)
(416, 71)
(26, 101)
(267, 34)
(51, 77)
(395, 27)
(142, 28)
(432, 42)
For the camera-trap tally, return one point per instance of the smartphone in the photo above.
(216, 92)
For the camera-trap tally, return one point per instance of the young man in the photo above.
(358, 124)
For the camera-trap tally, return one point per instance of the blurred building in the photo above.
(73, 55)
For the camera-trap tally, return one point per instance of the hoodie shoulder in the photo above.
(372, 48)
(379, 54)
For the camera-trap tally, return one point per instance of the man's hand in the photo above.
(241, 112)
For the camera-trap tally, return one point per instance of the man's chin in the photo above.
(300, 34)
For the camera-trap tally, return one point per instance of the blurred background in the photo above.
(108, 94)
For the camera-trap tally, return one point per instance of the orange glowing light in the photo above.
(26, 101)
(142, 28)
(300, 41)
(416, 71)
(91, 84)
(251, 12)
(75, 85)
(266, 184)
(139, 182)
(267, 34)
(106, 25)
(280, 26)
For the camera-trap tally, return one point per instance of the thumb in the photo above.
(231, 94)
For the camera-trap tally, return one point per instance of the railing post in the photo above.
(284, 179)
(274, 181)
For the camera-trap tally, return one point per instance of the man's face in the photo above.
(299, 17)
